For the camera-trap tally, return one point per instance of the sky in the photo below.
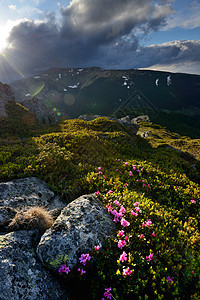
(112, 34)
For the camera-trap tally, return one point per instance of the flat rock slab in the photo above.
(21, 275)
(83, 224)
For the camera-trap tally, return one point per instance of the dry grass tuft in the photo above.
(33, 218)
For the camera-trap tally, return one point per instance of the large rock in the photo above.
(29, 191)
(24, 193)
(21, 275)
(83, 224)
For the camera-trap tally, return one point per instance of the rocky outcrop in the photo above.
(6, 95)
(22, 276)
(131, 127)
(83, 224)
(144, 118)
(44, 114)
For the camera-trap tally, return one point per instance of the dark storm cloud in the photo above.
(103, 33)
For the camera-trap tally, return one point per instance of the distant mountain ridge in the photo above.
(75, 91)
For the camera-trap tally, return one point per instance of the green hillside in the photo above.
(18, 122)
(175, 105)
(156, 181)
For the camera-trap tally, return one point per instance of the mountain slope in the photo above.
(153, 183)
(117, 93)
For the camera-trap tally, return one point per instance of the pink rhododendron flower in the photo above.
(148, 222)
(192, 201)
(134, 213)
(137, 209)
(142, 236)
(99, 168)
(124, 223)
(126, 238)
(107, 293)
(153, 234)
(121, 244)
(150, 257)
(123, 257)
(144, 225)
(109, 208)
(100, 172)
(121, 233)
(64, 269)
(116, 170)
(81, 271)
(84, 258)
(119, 159)
(110, 192)
(97, 193)
(126, 163)
(130, 173)
(122, 210)
(96, 248)
(136, 203)
(104, 176)
(137, 180)
(127, 272)
(116, 202)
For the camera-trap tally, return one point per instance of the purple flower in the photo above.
(170, 280)
(107, 293)
(64, 269)
(84, 258)
(81, 271)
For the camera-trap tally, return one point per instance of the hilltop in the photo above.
(170, 99)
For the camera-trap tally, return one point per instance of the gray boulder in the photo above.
(21, 194)
(29, 191)
(6, 215)
(21, 275)
(83, 224)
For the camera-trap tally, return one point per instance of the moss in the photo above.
(58, 261)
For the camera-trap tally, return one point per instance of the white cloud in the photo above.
(12, 7)
(187, 17)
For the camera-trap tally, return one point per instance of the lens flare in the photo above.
(69, 99)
